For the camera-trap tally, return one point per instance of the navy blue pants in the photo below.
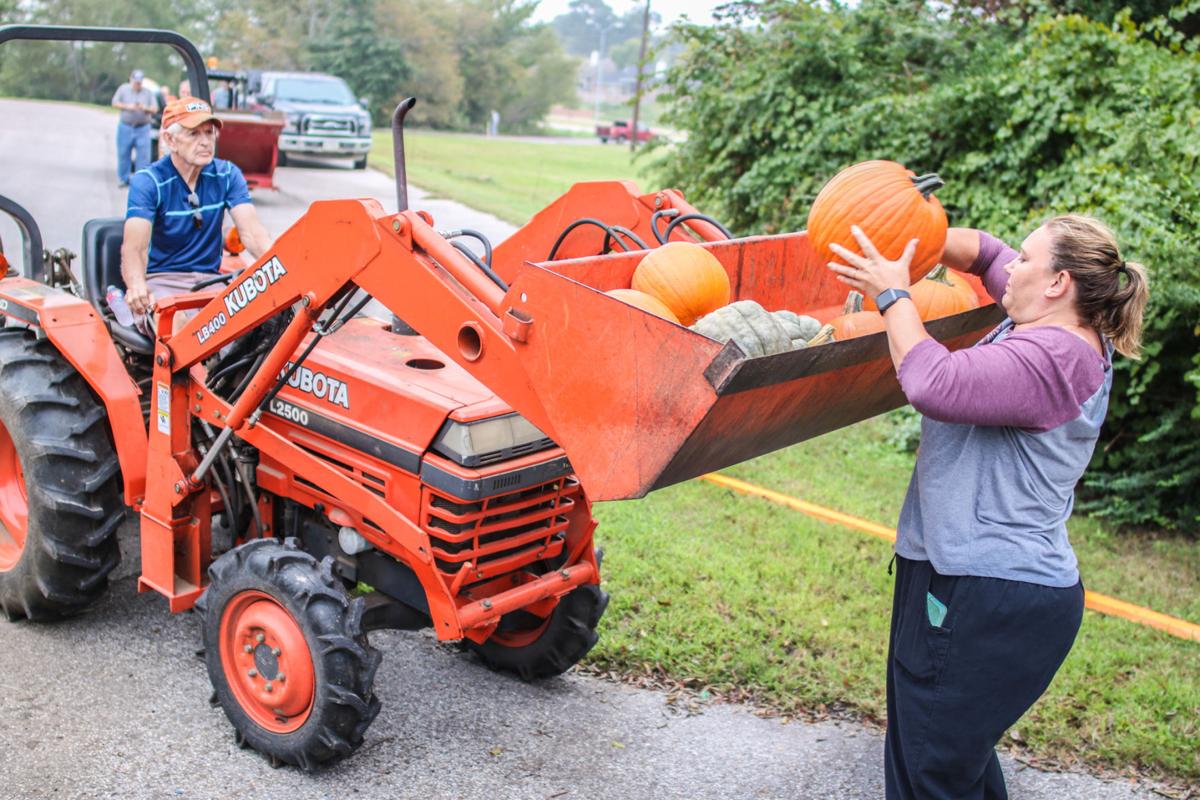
(954, 689)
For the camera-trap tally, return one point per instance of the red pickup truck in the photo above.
(620, 131)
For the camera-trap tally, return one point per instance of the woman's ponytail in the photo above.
(1110, 293)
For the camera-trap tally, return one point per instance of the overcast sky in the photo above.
(696, 10)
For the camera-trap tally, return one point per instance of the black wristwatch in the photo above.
(888, 297)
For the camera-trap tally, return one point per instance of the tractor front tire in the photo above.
(60, 491)
(287, 654)
(535, 649)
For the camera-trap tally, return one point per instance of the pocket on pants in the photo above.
(922, 648)
(923, 654)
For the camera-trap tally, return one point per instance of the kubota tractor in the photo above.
(304, 474)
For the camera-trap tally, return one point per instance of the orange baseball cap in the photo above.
(189, 112)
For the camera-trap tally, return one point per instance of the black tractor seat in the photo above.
(101, 269)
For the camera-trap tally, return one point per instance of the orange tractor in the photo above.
(304, 474)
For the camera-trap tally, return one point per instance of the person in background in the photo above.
(137, 104)
(988, 597)
(172, 236)
(222, 96)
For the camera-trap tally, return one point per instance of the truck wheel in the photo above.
(282, 160)
(536, 648)
(360, 163)
(60, 495)
(287, 655)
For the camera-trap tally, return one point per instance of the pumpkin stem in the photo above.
(938, 274)
(927, 184)
(854, 302)
(826, 334)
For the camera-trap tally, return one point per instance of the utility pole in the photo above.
(637, 94)
(598, 81)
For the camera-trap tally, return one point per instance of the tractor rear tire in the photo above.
(60, 490)
(535, 649)
(287, 654)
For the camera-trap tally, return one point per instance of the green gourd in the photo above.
(800, 328)
(753, 328)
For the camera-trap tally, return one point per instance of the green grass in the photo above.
(512, 179)
(747, 598)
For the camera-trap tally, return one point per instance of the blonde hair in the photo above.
(1110, 292)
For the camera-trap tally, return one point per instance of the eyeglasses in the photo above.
(197, 218)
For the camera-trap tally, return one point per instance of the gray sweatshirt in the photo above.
(1009, 427)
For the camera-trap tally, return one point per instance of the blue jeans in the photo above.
(130, 137)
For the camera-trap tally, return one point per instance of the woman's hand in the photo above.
(872, 273)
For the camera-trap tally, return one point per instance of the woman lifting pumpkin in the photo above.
(988, 598)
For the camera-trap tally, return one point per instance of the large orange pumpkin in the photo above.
(686, 278)
(891, 204)
(643, 301)
(854, 321)
(939, 294)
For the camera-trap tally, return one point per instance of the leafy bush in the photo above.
(1024, 121)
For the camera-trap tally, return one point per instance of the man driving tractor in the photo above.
(172, 236)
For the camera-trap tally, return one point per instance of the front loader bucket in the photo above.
(639, 403)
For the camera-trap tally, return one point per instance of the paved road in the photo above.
(114, 703)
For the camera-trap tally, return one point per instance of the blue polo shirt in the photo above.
(158, 193)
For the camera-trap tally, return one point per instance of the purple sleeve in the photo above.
(989, 265)
(1035, 379)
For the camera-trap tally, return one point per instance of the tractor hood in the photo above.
(392, 388)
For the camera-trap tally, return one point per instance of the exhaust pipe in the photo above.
(398, 152)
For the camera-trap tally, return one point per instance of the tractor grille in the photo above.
(318, 125)
(499, 534)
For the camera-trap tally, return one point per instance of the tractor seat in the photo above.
(101, 269)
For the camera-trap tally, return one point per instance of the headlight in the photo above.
(476, 443)
(293, 124)
(364, 124)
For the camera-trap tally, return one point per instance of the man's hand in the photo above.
(135, 248)
(138, 296)
(871, 273)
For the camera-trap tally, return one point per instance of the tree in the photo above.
(510, 66)
(354, 50)
(91, 71)
(422, 28)
(587, 22)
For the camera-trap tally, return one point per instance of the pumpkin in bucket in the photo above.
(643, 301)
(939, 294)
(891, 204)
(686, 278)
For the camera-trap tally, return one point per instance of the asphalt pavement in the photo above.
(114, 704)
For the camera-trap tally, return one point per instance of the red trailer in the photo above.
(252, 142)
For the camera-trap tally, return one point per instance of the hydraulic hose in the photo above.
(702, 217)
(612, 232)
(487, 270)
(476, 235)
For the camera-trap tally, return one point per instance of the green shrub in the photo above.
(1023, 121)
